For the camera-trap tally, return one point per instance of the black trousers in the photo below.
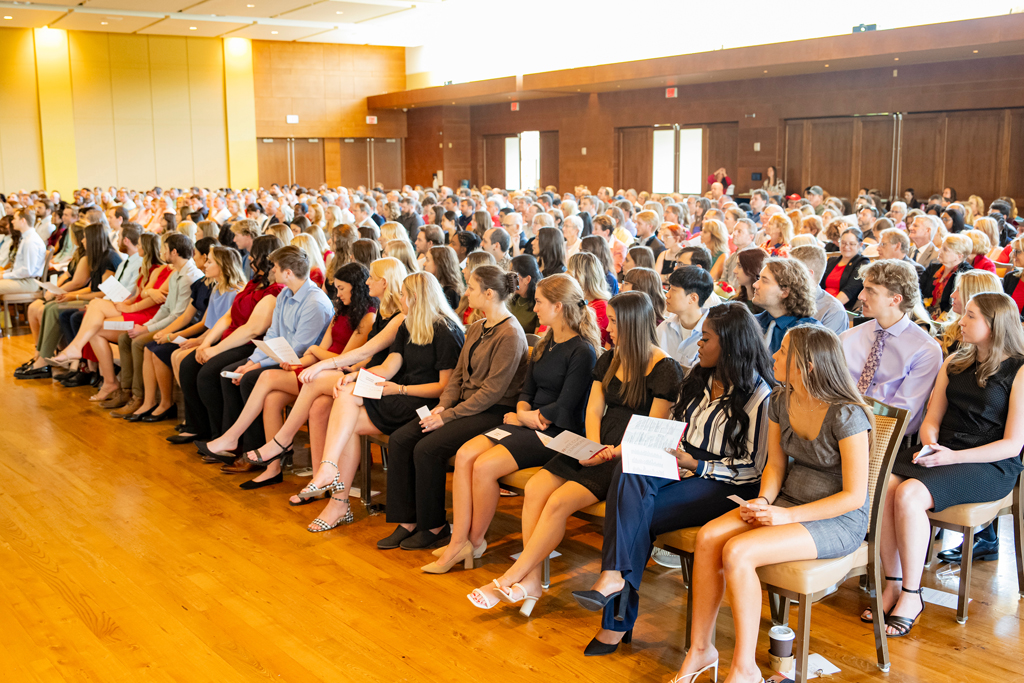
(235, 397)
(418, 466)
(640, 508)
(200, 385)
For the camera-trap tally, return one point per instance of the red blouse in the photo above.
(983, 262)
(600, 309)
(317, 276)
(245, 303)
(833, 280)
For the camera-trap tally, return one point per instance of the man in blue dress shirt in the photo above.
(786, 293)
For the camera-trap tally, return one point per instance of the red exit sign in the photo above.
(515, 106)
(671, 92)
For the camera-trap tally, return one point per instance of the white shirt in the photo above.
(44, 228)
(31, 256)
(128, 271)
(680, 342)
(572, 249)
(830, 312)
(221, 216)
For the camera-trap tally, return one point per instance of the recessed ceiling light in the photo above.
(975, 52)
(273, 33)
(8, 17)
(766, 70)
(826, 66)
(191, 28)
(896, 59)
(103, 23)
(250, 5)
(339, 12)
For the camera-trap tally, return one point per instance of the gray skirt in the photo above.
(837, 536)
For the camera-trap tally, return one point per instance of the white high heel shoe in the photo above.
(690, 678)
(528, 600)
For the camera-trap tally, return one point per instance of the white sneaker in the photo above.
(666, 559)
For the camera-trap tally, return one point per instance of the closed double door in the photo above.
(291, 161)
(371, 162)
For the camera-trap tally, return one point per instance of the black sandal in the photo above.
(886, 614)
(903, 624)
(307, 501)
(260, 462)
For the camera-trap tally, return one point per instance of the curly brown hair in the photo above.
(793, 276)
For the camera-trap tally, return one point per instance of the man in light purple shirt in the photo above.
(909, 359)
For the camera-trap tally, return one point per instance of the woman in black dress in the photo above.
(975, 445)
(416, 369)
(553, 400)
(637, 378)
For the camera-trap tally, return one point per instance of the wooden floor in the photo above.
(123, 558)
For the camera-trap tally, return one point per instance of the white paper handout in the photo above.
(230, 375)
(368, 385)
(123, 325)
(423, 412)
(497, 434)
(179, 340)
(739, 501)
(50, 287)
(574, 445)
(544, 438)
(114, 290)
(644, 444)
(279, 350)
(817, 665)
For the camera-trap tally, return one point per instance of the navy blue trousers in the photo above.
(640, 508)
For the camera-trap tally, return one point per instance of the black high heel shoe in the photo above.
(252, 485)
(204, 450)
(169, 414)
(885, 615)
(595, 648)
(903, 624)
(136, 417)
(596, 601)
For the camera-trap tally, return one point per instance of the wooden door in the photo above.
(972, 153)
(876, 155)
(722, 141)
(792, 172)
(922, 145)
(355, 162)
(273, 161)
(308, 162)
(636, 158)
(549, 158)
(494, 160)
(386, 156)
(831, 156)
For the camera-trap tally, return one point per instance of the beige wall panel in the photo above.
(168, 52)
(170, 93)
(131, 93)
(89, 47)
(172, 143)
(129, 51)
(21, 151)
(136, 160)
(96, 153)
(209, 154)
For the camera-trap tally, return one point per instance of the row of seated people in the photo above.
(473, 380)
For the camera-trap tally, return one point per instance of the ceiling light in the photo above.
(975, 52)
(8, 17)
(339, 12)
(826, 66)
(250, 5)
(766, 70)
(103, 23)
(896, 59)
(273, 33)
(191, 28)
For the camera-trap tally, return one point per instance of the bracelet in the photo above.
(766, 501)
(403, 388)
(334, 362)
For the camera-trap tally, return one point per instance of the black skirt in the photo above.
(525, 446)
(389, 413)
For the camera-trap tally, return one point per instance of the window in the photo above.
(677, 160)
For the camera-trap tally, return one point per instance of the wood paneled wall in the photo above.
(326, 86)
(757, 111)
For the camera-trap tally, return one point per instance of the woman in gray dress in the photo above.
(815, 508)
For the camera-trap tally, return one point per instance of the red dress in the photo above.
(145, 315)
(317, 276)
(245, 303)
(341, 332)
(833, 280)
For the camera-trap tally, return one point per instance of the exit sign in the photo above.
(371, 120)
(671, 92)
(515, 106)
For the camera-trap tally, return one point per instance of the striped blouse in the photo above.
(705, 432)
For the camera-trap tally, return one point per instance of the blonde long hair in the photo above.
(829, 381)
(587, 270)
(576, 315)
(404, 252)
(427, 306)
(1003, 318)
(968, 284)
(308, 245)
(232, 277)
(393, 273)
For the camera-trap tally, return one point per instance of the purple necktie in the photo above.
(871, 364)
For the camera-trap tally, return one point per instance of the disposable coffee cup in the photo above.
(781, 641)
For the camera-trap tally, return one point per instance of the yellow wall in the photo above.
(240, 98)
(138, 111)
(21, 154)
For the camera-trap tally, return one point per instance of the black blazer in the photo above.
(655, 245)
(928, 285)
(849, 283)
(917, 266)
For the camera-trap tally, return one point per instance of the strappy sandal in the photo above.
(885, 615)
(307, 501)
(322, 526)
(259, 461)
(903, 624)
(528, 600)
(313, 491)
(479, 598)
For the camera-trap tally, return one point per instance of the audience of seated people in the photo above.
(435, 292)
